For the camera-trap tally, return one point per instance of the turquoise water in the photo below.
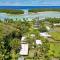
(41, 15)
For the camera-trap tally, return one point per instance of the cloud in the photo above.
(9, 3)
(30, 3)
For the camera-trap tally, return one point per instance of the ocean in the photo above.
(27, 7)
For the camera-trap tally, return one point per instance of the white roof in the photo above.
(56, 24)
(24, 49)
(44, 34)
(38, 42)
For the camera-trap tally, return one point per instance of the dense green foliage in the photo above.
(10, 36)
(10, 11)
(9, 42)
(11, 32)
(44, 9)
(53, 20)
(55, 35)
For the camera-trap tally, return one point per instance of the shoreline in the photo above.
(29, 13)
(32, 15)
(41, 12)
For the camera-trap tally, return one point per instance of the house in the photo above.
(38, 42)
(57, 24)
(45, 34)
(24, 49)
(24, 46)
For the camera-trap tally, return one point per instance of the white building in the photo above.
(44, 34)
(24, 49)
(57, 24)
(38, 42)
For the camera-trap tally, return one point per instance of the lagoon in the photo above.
(41, 15)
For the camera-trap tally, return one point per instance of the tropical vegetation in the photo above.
(10, 11)
(11, 32)
(44, 9)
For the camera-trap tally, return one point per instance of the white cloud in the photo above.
(10, 3)
(31, 3)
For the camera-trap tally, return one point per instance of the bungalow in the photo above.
(38, 42)
(57, 24)
(24, 46)
(24, 49)
(44, 34)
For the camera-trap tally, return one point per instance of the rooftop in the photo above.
(24, 49)
(44, 34)
(38, 42)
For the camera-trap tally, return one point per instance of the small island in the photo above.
(43, 10)
(11, 11)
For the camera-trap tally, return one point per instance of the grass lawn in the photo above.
(55, 49)
(6, 29)
(55, 35)
(57, 29)
(31, 54)
(55, 42)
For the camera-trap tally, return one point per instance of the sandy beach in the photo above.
(42, 12)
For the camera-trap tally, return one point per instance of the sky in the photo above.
(29, 2)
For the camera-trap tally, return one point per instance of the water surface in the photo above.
(41, 15)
